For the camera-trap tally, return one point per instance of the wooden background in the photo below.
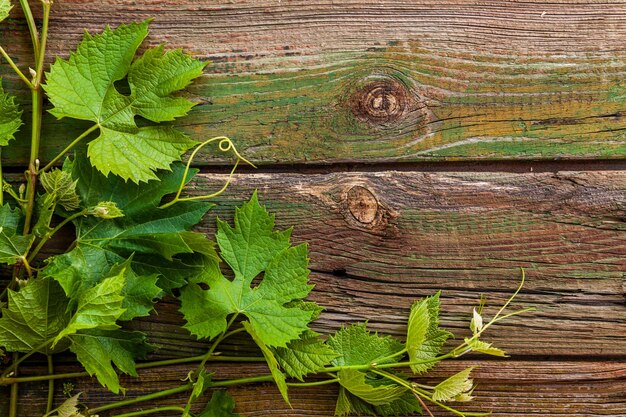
(417, 146)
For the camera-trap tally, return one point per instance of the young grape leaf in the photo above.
(154, 235)
(220, 405)
(69, 408)
(98, 307)
(355, 382)
(484, 347)
(476, 324)
(34, 316)
(97, 349)
(455, 385)
(12, 244)
(202, 384)
(60, 184)
(426, 347)
(10, 114)
(306, 355)
(272, 363)
(358, 346)
(83, 88)
(5, 8)
(252, 247)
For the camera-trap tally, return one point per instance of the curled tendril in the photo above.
(224, 144)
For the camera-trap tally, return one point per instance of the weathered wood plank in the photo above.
(507, 388)
(310, 81)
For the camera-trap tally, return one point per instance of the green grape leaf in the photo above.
(106, 210)
(83, 87)
(5, 8)
(355, 382)
(272, 362)
(306, 355)
(98, 307)
(220, 405)
(483, 347)
(156, 237)
(419, 322)
(98, 349)
(455, 385)
(358, 346)
(202, 384)
(425, 348)
(34, 316)
(62, 187)
(139, 292)
(348, 404)
(12, 244)
(10, 114)
(69, 408)
(252, 247)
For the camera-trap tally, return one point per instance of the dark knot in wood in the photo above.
(362, 204)
(380, 101)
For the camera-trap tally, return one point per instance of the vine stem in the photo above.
(168, 362)
(224, 145)
(50, 385)
(150, 411)
(49, 234)
(142, 398)
(14, 391)
(69, 147)
(15, 68)
(32, 28)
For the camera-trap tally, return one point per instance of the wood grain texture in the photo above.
(321, 82)
(380, 240)
(507, 388)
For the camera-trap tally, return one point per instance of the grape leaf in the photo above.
(252, 247)
(220, 405)
(272, 363)
(98, 349)
(455, 385)
(202, 384)
(348, 404)
(358, 346)
(5, 8)
(35, 315)
(12, 245)
(60, 184)
(355, 382)
(69, 408)
(154, 235)
(484, 347)
(10, 114)
(82, 87)
(98, 307)
(428, 346)
(139, 291)
(306, 355)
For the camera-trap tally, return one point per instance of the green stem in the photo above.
(14, 391)
(69, 147)
(241, 381)
(48, 235)
(313, 384)
(224, 145)
(42, 48)
(142, 398)
(31, 174)
(150, 411)
(32, 28)
(1, 181)
(15, 68)
(16, 362)
(395, 355)
(70, 375)
(50, 385)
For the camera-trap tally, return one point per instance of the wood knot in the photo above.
(362, 204)
(380, 101)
